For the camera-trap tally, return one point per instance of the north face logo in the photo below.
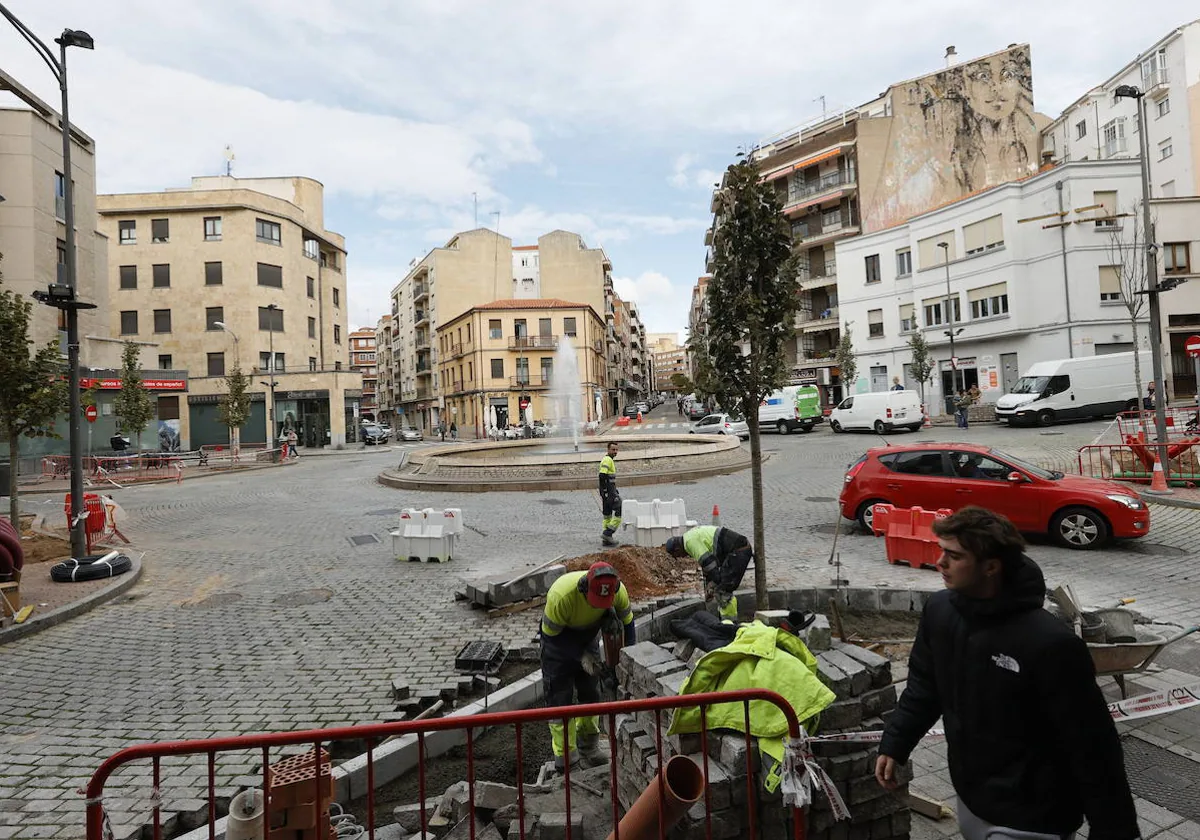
(1006, 662)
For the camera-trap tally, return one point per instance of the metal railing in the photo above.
(799, 191)
(530, 381)
(532, 342)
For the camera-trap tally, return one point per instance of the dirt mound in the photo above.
(646, 572)
(40, 548)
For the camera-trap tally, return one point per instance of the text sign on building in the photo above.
(148, 384)
(1192, 346)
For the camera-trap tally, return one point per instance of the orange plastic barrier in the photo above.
(908, 534)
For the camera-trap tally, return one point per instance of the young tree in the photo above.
(844, 355)
(682, 383)
(752, 301)
(132, 406)
(32, 392)
(921, 365)
(234, 407)
(1127, 256)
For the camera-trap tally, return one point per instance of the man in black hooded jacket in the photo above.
(1032, 746)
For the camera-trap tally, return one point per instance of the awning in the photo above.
(804, 164)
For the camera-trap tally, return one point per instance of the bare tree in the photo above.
(1127, 256)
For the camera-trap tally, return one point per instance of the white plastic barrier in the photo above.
(653, 522)
(427, 535)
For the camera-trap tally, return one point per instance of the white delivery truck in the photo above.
(1073, 389)
(879, 411)
(791, 408)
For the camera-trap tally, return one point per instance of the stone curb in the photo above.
(1170, 501)
(335, 453)
(45, 621)
(32, 491)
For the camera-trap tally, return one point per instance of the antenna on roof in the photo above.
(229, 156)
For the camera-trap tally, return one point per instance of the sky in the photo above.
(609, 119)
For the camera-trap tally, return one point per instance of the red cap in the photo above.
(602, 585)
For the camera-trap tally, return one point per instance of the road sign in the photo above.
(1192, 346)
(91, 414)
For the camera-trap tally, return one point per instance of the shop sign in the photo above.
(963, 363)
(302, 395)
(804, 376)
(148, 384)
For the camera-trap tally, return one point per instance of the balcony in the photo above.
(454, 386)
(810, 280)
(1154, 82)
(423, 394)
(530, 382)
(802, 237)
(462, 349)
(420, 290)
(421, 317)
(422, 341)
(816, 321)
(533, 342)
(824, 188)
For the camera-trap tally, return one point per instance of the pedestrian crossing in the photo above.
(652, 424)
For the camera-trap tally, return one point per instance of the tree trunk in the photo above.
(14, 504)
(756, 491)
(1137, 374)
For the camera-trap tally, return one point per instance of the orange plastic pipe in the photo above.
(683, 786)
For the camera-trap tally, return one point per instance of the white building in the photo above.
(1177, 228)
(1031, 278)
(1098, 126)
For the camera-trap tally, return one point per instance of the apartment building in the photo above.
(497, 360)
(1177, 228)
(1021, 273)
(697, 317)
(667, 363)
(199, 270)
(474, 268)
(662, 342)
(923, 142)
(385, 392)
(1099, 126)
(363, 362)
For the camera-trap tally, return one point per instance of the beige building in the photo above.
(385, 395)
(667, 363)
(364, 362)
(501, 357)
(238, 272)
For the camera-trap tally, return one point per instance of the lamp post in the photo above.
(954, 379)
(272, 308)
(62, 294)
(237, 353)
(1152, 286)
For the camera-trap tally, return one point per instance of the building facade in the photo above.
(668, 363)
(505, 361)
(1177, 226)
(1022, 273)
(364, 362)
(385, 393)
(239, 273)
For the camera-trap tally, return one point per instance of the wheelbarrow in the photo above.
(1117, 660)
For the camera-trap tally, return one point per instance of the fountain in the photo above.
(566, 388)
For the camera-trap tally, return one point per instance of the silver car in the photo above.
(409, 433)
(721, 424)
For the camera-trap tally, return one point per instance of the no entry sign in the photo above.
(90, 413)
(1193, 346)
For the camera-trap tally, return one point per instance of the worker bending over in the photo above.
(723, 555)
(578, 606)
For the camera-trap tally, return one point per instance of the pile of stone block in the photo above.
(502, 590)
(298, 808)
(862, 682)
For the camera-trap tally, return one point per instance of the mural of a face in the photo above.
(994, 87)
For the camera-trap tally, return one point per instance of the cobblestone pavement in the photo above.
(257, 612)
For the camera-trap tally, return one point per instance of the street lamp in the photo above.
(1152, 285)
(954, 378)
(61, 295)
(271, 308)
(237, 353)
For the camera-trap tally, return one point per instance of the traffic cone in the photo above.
(639, 417)
(1158, 479)
(716, 515)
(928, 424)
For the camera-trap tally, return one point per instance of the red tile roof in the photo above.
(525, 247)
(532, 303)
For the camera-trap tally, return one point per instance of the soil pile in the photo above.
(39, 548)
(646, 572)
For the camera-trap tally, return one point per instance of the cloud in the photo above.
(662, 305)
(684, 175)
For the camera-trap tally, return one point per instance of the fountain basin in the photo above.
(536, 465)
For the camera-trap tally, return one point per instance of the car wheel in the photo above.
(880, 428)
(782, 427)
(1045, 417)
(1079, 528)
(836, 426)
(866, 514)
(806, 428)
(915, 427)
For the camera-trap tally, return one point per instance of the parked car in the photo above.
(1071, 389)
(631, 410)
(695, 410)
(878, 411)
(410, 433)
(721, 424)
(791, 408)
(373, 433)
(643, 406)
(1076, 512)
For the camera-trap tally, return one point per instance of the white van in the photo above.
(1071, 389)
(879, 411)
(791, 408)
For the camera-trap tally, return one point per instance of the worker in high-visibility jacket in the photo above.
(610, 498)
(578, 606)
(723, 555)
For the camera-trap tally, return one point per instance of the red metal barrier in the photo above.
(1135, 462)
(373, 734)
(1178, 422)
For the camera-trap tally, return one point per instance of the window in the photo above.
(908, 320)
(160, 230)
(872, 262)
(312, 363)
(270, 275)
(270, 319)
(213, 314)
(264, 361)
(129, 324)
(310, 285)
(162, 276)
(60, 196)
(337, 297)
(312, 249)
(497, 368)
(337, 365)
(1163, 106)
(1154, 69)
(545, 327)
(162, 320)
(569, 327)
(929, 252)
(127, 232)
(168, 408)
(468, 332)
(268, 232)
(975, 466)
(935, 310)
(1081, 129)
(903, 262)
(312, 327)
(164, 362)
(522, 370)
(520, 328)
(875, 323)
(1165, 149)
(495, 328)
(1110, 283)
(337, 334)
(213, 274)
(1107, 210)
(989, 301)
(916, 463)
(128, 276)
(984, 235)
(1176, 259)
(216, 364)
(279, 362)
(212, 228)
(547, 369)
(471, 371)
(1168, 189)
(1114, 137)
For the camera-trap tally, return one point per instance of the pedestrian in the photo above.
(292, 440)
(1032, 746)
(723, 555)
(896, 386)
(578, 606)
(610, 497)
(1150, 401)
(975, 394)
(961, 403)
(441, 427)
(679, 404)
(453, 430)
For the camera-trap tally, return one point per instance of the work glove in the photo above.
(591, 663)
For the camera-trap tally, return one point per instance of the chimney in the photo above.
(951, 56)
(1047, 160)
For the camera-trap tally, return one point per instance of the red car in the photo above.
(1076, 512)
